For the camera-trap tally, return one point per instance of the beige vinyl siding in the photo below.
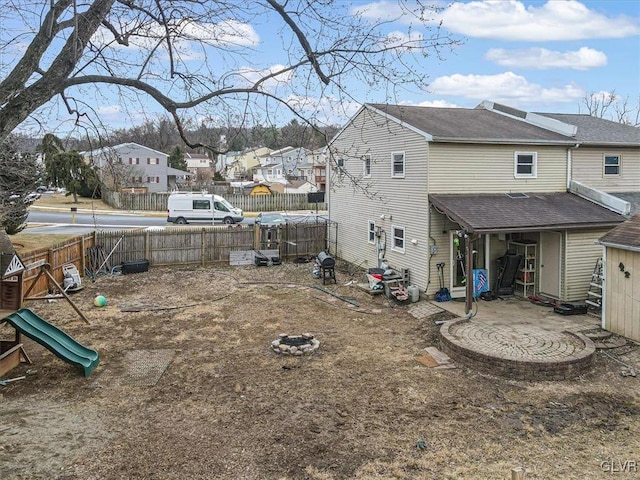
(353, 200)
(581, 254)
(622, 295)
(490, 169)
(587, 168)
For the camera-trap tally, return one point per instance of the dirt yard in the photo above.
(227, 407)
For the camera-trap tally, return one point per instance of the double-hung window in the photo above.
(397, 165)
(398, 239)
(372, 232)
(612, 165)
(525, 165)
(366, 166)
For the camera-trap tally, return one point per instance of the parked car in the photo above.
(190, 207)
(270, 219)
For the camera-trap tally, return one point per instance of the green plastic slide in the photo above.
(55, 340)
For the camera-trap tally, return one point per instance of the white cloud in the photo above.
(554, 20)
(437, 103)
(507, 87)
(327, 110)
(404, 41)
(227, 32)
(401, 12)
(109, 110)
(248, 76)
(542, 59)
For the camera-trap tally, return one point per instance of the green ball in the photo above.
(100, 301)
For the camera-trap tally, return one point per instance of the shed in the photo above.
(621, 305)
(259, 189)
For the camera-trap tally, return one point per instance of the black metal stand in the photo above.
(328, 274)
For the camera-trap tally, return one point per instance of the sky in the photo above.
(543, 56)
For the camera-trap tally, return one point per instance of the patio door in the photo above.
(457, 260)
(550, 247)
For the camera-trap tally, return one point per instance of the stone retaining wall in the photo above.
(519, 369)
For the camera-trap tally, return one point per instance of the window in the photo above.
(220, 207)
(398, 238)
(201, 205)
(525, 165)
(130, 161)
(341, 163)
(137, 161)
(366, 165)
(397, 165)
(153, 179)
(148, 161)
(611, 165)
(372, 232)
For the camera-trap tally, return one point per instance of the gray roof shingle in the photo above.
(624, 235)
(476, 124)
(594, 130)
(485, 213)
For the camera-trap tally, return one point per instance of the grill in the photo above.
(326, 261)
(327, 266)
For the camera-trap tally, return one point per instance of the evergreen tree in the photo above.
(176, 159)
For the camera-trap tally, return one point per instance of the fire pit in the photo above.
(296, 345)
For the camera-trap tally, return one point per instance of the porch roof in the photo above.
(625, 236)
(490, 213)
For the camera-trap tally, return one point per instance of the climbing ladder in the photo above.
(594, 296)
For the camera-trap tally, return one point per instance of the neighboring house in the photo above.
(134, 166)
(294, 186)
(200, 165)
(621, 288)
(414, 185)
(240, 165)
(319, 161)
(269, 173)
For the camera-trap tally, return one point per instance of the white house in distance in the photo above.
(200, 165)
(136, 167)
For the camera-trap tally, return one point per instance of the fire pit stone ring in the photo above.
(296, 345)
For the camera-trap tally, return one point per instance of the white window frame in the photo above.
(534, 165)
(371, 225)
(366, 166)
(618, 165)
(395, 238)
(393, 163)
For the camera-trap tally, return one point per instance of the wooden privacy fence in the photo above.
(249, 203)
(72, 251)
(173, 246)
(208, 245)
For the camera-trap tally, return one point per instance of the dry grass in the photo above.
(25, 242)
(57, 200)
(227, 407)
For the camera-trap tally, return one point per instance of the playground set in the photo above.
(28, 323)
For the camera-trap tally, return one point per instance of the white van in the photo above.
(190, 207)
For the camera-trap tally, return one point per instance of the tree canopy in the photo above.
(202, 60)
(18, 176)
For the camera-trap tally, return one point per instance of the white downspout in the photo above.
(570, 163)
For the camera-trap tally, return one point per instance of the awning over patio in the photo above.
(517, 212)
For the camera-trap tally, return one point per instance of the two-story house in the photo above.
(241, 164)
(421, 186)
(133, 166)
(200, 165)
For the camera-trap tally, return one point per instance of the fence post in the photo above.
(202, 247)
(147, 246)
(83, 254)
(517, 473)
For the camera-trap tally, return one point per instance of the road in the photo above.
(68, 223)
